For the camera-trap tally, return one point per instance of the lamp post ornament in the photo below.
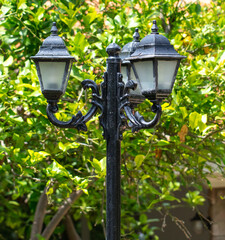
(148, 68)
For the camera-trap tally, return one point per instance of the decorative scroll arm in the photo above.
(78, 121)
(75, 122)
(137, 121)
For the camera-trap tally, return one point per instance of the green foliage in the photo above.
(184, 148)
(194, 199)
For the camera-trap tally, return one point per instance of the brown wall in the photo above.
(217, 212)
(181, 227)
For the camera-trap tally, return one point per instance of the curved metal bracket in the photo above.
(137, 121)
(78, 121)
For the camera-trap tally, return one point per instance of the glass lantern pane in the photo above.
(144, 71)
(124, 73)
(52, 74)
(166, 74)
(67, 70)
(137, 91)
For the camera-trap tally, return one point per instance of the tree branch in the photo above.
(70, 229)
(210, 135)
(39, 215)
(62, 211)
(85, 230)
(192, 151)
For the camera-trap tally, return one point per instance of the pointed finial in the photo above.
(154, 28)
(136, 36)
(54, 29)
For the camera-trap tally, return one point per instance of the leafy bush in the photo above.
(181, 151)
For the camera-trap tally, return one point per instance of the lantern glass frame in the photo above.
(134, 70)
(150, 86)
(148, 64)
(54, 94)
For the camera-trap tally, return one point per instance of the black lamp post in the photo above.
(150, 65)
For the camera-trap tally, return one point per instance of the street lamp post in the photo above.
(149, 68)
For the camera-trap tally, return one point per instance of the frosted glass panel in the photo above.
(137, 91)
(52, 74)
(145, 73)
(68, 70)
(124, 73)
(166, 70)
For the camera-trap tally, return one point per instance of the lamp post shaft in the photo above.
(112, 134)
(113, 190)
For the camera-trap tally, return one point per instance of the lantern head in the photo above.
(53, 63)
(154, 64)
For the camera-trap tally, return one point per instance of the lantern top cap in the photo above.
(130, 47)
(136, 35)
(53, 48)
(154, 38)
(54, 29)
(154, 28)
(154, 45)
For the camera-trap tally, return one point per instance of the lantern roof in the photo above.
(53, 48)
(154, 45)
(130, 47)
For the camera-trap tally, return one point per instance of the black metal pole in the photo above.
(112, 135)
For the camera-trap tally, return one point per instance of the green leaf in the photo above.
(14, 203)
(91, 16)
(143, 218)
(145, 177)
(5, 9)
(21, 4)
(194, 198)
(133, 22)
(169, 198)
(57, 170)
(138, 160)
(154, 202)
(206, 90)
(97, 165)
(80, 43)
(184, 112)
(204, 118)
(8, 61)
(103, 166)
(201, 126)
(194, 119)
(85, 191)
(153, 190)
(50, 191)
(40, 13)
(162, 143)
(223, 106)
